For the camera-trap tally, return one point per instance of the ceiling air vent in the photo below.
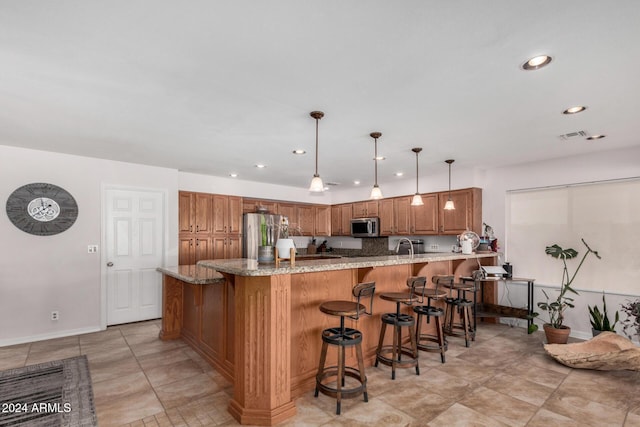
(574, 135)
(332, 183)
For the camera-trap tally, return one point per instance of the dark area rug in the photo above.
(49, 394)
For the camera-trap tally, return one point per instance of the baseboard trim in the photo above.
(48, 336)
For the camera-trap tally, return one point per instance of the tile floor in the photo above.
(503, 379)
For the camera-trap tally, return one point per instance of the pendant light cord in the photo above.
(375, 158)
(416, 172)
(316, 147)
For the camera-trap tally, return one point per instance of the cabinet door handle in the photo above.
(191, 242)
(197, 228)
(190, 228)
(197, 242)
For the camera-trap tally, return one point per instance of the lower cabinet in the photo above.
(193, 248)
(225, 247)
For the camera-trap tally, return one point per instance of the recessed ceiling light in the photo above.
(299, 152)
(398, 174)
(233, 175)
(379, 158)
(592, 137)
(356, 182)
(261, 166)
(574, 110)
(537, 62)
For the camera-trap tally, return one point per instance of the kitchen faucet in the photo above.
(410, 245)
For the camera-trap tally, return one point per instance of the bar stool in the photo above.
(430, 342)
(461, 305)
(344, 337)
(398, 321)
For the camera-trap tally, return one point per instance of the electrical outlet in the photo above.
(435, 247)
(92, 249)
(55, 315)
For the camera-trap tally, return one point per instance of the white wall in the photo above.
(39, 274)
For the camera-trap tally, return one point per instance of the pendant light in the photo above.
(376, 193)
(417, 198)
(449, 206)
(316, 183)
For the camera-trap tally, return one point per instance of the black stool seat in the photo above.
(344, 337)
(397, 355)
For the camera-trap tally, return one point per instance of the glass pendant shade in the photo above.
(417, 200)
(449, 206)
(316, 182)
(376, 193)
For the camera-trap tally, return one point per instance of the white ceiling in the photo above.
(215, 87)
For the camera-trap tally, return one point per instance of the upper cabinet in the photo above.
(365, 209)
(341, 219)
(194, 212)
(227, 214)
(307, 220)
(395, 216)
(398, 217)
(424, 219)
(323, 220)
(467, 214)
(252, 206)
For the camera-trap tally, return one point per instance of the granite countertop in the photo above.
(250, 267)
(194, 274)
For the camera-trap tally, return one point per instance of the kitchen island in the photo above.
(261, 328)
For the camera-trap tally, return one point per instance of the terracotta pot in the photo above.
(556, 335)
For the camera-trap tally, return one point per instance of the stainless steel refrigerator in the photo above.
(252, 232)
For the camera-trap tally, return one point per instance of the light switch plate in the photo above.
(92, 249)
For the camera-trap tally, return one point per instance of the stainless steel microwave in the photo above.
(365, 227)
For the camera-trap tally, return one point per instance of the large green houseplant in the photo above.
(555, 329)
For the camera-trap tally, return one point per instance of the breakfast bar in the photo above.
(261, 325)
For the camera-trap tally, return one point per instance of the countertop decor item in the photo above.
(449, 206)
(316, 182)
(417, 198)
(376, 193)
(42, 209)
(555, 309)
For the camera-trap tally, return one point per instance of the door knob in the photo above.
(109, 264)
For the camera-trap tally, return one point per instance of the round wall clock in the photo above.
(42, 209)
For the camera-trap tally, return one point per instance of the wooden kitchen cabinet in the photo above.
(467, 214)
(341, 219)
(193, 248)
(252, 205)
(289, 210)
(323, 220)
(424, 219)
(227, 214)
(395, 216)
(307, 219)
(365, 209)
(226, 247)
(194, 212)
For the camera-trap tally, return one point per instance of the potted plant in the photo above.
(555, 330)
(600, 319)
(631, 324)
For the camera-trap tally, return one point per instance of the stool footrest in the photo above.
(332, 390)
(410, 362)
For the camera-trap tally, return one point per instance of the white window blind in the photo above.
(606, 215)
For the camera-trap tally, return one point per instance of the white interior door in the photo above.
(134, 249)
